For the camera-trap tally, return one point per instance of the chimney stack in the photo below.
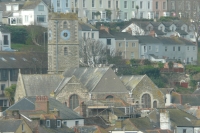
(42, 103)
(104, 28)
(83, 109)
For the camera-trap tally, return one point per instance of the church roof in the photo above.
(97, 80)
(131, 81)
(40, 84)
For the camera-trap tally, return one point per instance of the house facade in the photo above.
(25, 13)
(5, 39)
(183, 9)
(173, 48)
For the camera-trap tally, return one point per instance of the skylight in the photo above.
(12, 58)
(24, 59)
(3, 59)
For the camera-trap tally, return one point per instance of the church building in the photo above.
(73, 85)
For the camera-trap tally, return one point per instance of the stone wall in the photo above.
(146, 86)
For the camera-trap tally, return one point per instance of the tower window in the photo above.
(65, 51)
(64, 24)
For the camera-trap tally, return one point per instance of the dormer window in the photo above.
(15, 7)
(8, 7)
(47, 123)
(40, 7)
(58, 123)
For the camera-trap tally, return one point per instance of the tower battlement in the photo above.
(63, 16)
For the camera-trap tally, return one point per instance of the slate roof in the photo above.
(95, 121)
(105, 34)
(3, 7)
(174, 41)
(177, 117)
(97, 80)
(181, 32)
(43, 129)
(191, 99)
(86, 27)
(155, 24)
(40, 84)
(10, 125)
(28, 104)
(147, 39)
(142, 24)
(31, 4)
(90, 129)
(142, 123)
(131, 81)
(159, 32)
(22, 59)
(167, 24)
(123, 35)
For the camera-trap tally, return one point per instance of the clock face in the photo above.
(65, 34)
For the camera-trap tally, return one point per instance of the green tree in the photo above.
(10, 93)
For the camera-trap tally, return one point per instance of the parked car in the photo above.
(93, 22)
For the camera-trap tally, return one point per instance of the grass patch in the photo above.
(24, 47)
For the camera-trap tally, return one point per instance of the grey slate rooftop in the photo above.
(94, 79)
(147, 39)
(122, 36)
(22, 59)
(28, 104)
(86, 27)
(41, 84)
(105, 34)
(9, 125)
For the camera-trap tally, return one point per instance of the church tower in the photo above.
(63, 45)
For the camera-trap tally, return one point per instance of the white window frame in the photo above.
(117, 4)
(109, 4)
(132, 55)
(125, 5)
(40, 7)
(133, 44)
(26, 18)
(141, 4)
(58, 3)
(83, 3)
(67, 3)
(150, 48)
(48, 123)
(157, 49)
(93, 3)
(58, 123)
(41, 17)
(133, 4)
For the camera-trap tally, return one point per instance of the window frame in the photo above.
(41, 17)
(40, 7)
(48, 123)
(58, 123)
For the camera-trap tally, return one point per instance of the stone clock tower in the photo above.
(63, 45)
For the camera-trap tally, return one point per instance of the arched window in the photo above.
(73, 101)
(64, 24)
(146, 101)
(109, 97)
(65, 51)
(154, 104)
